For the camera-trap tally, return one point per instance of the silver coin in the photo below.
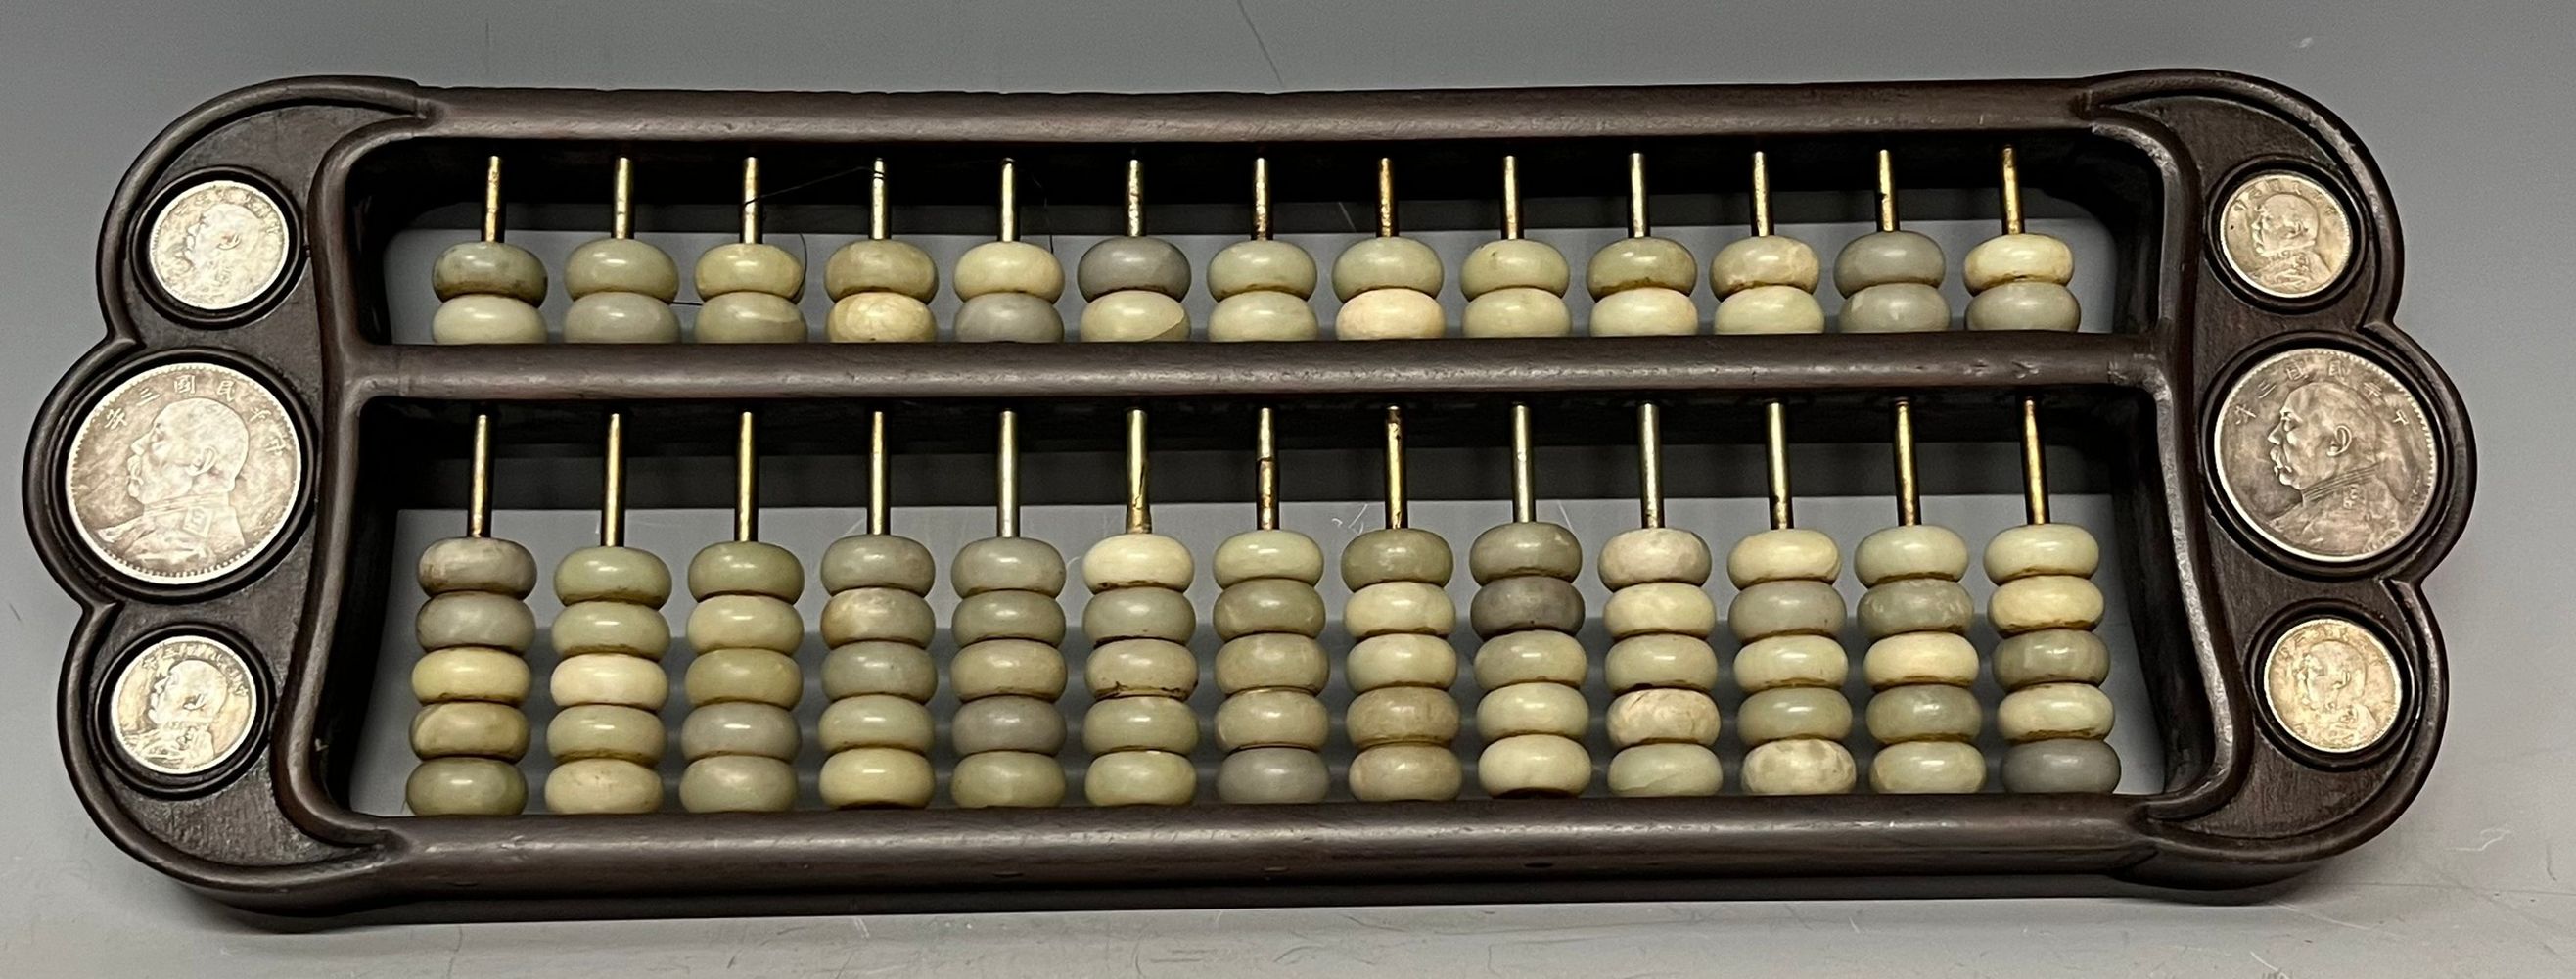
(218, 245)
(2285, 234)
(183, 473)
(2325, 454)
(183, 706)
(2333, 685)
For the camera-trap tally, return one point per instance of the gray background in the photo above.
(2463, 104)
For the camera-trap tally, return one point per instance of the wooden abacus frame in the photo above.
(2149, 151)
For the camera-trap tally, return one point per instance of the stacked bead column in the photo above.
(609, 686)
(880, 287)
(1403, 719)
(1008, 286)
(1261, 285)
(1660, 665)
(1389, 285)
(1890, 278)
(621, 288)
(878, 673)
(749, 288)
(488, 289)
(470, 733)
(1641, 285)
(741, 734)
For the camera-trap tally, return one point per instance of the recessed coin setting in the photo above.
(183, 706)
(2285, 234)
(218, 245)
(2332, 685)
(183, 473)
(2325, 454)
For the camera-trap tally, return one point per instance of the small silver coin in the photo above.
(183, 472)
(183, 706)
(218, 245)
(2285, 234)
(2325, 454)
(2333, 685)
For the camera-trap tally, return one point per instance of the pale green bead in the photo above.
(470, 673)
(1264, 316)
(2061, 765)
(592, 786)
(1659, 607)
(2044, 602)
(1665, 770)
(1009, 317)
(1006, 724)
(877, 561)
(1662, 714)
(881, 265)
(738, 783)
(1633, 263)
(1896, 307)
(1799, 766)
(1275, 659)
(1763, 260)
(605, 731)
(880, 317)
(1780, 608)
(486, 564)
(862, 614)
(1645, 311)
(1795, 712)
(607, 265)
(1928, 767)
(620, 317)
(1791, 661)
(480, 318)
(1272, 719)
(1387, 262)
(1396, 554)
(1517, 311)
(2042, 549)
(1534, 547)
(1401, 715)
(1007, 564)
(1925, 712)
(745, 622)
(863, 778)
(747, 675)
(1405, 773)
(1134, 316)
(1267, 554)
(1402, 659)
(1139, 613)
(739, 728)
(744, 266)
(610, 679)
(469, 727)
(1006, 779)
(1651, 554)
(1783, 554)
(1138, 560)
(901, 669)
(2051, 656)
(750, 317)
(1007, 615)
(1141, 667)
(2054, 710)
(743, 567)
(611, 627)
(465, 787)
(1268, 605)
(1916, 605)
(1910, 551)
(1261, 265)
(1889, 258)
(1007, 667)
(1922, 657)
(1273, 775)
(1133, 263)
(1391, 314)
(1532, 708)
(622, 574)
(2025, 306)
(1770, 309)
(1139, 724)
(1536, 766)
(1514, 263)
(475, 618)
(1390, 607)
(2021, 257)
(1140, 778)
(489, 268)
(1660, 660)
(1528, 602)
(1009, 267)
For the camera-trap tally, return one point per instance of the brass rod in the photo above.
(492, 199)
(1886, 192)
(1261, 198)
(1524, 488)
(746, 482)
(1650, 465)
(478, 498)
(1761, 195)
(1006, 499)
(880, 509)
(878, 226)
(621, 223)
(2012, 193)
(1386, 197)
(1909, 509)
(750, 200)
(1777, 437)
(1140, 517)
(1637, 195)
(1265, 450)
(1395, 516)
(1135, 198)
(612, 496)
(2034, 467)
(1511, 196)
(1010, 204)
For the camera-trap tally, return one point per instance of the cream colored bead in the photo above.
(1532, 708)
(2045, 602)
(1889, 258)
(1133, 315)
(469, 727)
(1920, 657)
(475, 618)
(1638, 662)
(1141, 667)
(2054, 710)
(1139, 613)
(623, 574)
(1534, 766)
(1791, 661)
(465, 787)
(493, 267)
(1916, 605)
(593, 786)
(1273, 775)
(625, 265)
(628, 681)
(2051, 656)
(744, 266)
(874, 721)
(470, 673)
(1925, 712)
(1405, 772)
(1402, 660)
(862, 614)
(1007, 615)
(881, 265)
(1138, 560)
(617, 627)
(1659, 607)
(997, 667)
(1763, 260)
(1007, 564)
(750, 317)
(1895, 307)
(1538, 656)
(1391, 607)
(1391, 314)
(2043, 306)
(480, 318)
(1636, 263)
(1514, 263)
(1006, 724)
(1799, 766)
(746, 568)
(739, 728)
(881, 317)
(1269, 605)
(1140, 778)
(1665, 770)
(2042, 549)
(1387, 262)
(1928, 767)
(608, 731)
(1009, 266)
(1272, 719)
(1769, 309)
(1139, 724)
(1007, 779)
(1910, 551)
(1787, 554)
(487, 564)
(1781, 608)
(1279, 660)
(2024, 257)
(1401, 715)
(877, 561)
(1518, 311)
(620, 317)
(876, 777)
(738, 783)
(1653, 715)
(1794, 712)
(745, 621)
(1397, 554)
(1650, 554)
(1264, 316)
(1261, 265)
(1267, 554)
(754, 675)
(901, 669)
(1645, 311)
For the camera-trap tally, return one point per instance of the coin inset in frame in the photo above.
(2333, 685)
(2285, 234)
(2325, 454)
(183, 706)
(183, 473)
(218, 245)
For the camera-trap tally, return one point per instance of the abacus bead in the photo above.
(1140, 778)
(901, 669)
(1273, 775)
(1138, 560)
(1389, 262)
(1273, 659)
(622, 574)
(1527, 602)
(1401, 660)
(1007, 615)
(1649, 554)
(1270, 605)
(1517, 311)
(1666, 660)
(1910, 551)
(739, 728)
(1141, 667)
(1399, 606)
(2022, 257)
(1401, 715)
(1263, 316)
(470, 673)
(478, 318)
(1532, 708)
(1268, 554)
(465, 787)
(745, 622)
(2042, 549)
(1391, 314)
(1647, 716)
(2061, 765)
(490, 268)
(2051, 656)
(1534, 765)
(1133, 263)
(1139, 613)
(1636, 263)
(602, 785)
(738, 783)
(750, 675)
(1534, 547)
(1396, 554)
(2025, 306)
(877, 561)
(1769, 309)
(622, 681)
(1791, 661)
(1009, 317)
(1538, 656)
(1660, 606)
(1763, 260)
(873, 721)
(620, 317)
(745, 567)
(1896, 307)
(1799, 766)
(1889, 258)
(1794, 712)
(608, 626)
(1009, 267)
(609, 731)
(1017, 779)
(1272, 719)
(862, 777)
(1923, 657)
(881, 265)
(877, 613)
(745, 266)
(1928, 767)
(1261, 265)
(1513, 263)
(469, 727)
(2054, 710)
(1006, 724)
(1139, 724)
(475, 618)
(1925, 712)
(1007, 564)
(880, 317)
(1667, 769)
(1134, 315)
(1778, 608)
(1785, 554)
(624, 265)
(996, 667)
(1916, 605)
(477, 564)
(2044, 602)
(1405, 772)
(1645, 312)
(750, 317)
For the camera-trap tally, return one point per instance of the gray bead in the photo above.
(1925, 712)
(2025, 306)
(1777, 608)
(1884, 257)
(475, 618)
(487, 564)
(1396, 554)
(878, 561)
(1269, 605)
(1006, 724)
(1009, 317)
(2061, 765)
(1896, 307)
(1916, 605)
(1007, 615)
(745, 567)
(1007, 564)
(1525, 548)
(1523, 603)
(1139, 613)
(2051, 656)
(1133, 263)
(1272, 775)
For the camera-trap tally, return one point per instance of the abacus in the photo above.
(2133, 333)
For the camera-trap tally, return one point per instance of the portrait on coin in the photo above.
(182, 470)
(2330, 447)
(186, 702)
(2330, 684)
(2284, 229)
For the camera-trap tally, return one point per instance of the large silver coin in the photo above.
(183, 706)
(2333, 685)
(2325, 454)
(218, 245)
(183, 472)
(2285, 234)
